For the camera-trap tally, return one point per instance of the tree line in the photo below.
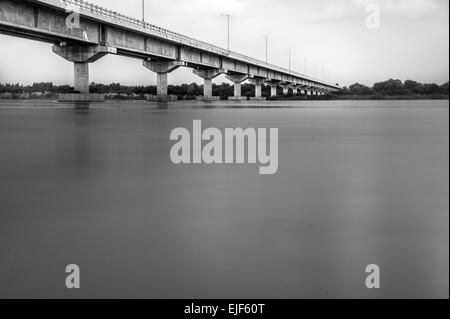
(396, 88)
(187, 90)
(381, 89)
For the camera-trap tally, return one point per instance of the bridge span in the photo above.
(99, 31)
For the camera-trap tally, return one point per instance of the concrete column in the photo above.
(207, 88)
(258, 90)
(237, 89)
(161, 83)
(237, 79)
(273, 90)
(285, 87)
(208, 75)
(273, 87)
(81, 77)
(258, 83)
(162, 69)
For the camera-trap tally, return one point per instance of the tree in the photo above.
(389, 87)
(412, 87)
(360, 89)
(345, 91)
(192, 89)
(444, 88)
(429, 89)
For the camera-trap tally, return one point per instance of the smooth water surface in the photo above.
(358, 183)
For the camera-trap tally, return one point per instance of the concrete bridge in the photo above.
(101, 31)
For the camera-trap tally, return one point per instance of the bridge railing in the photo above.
(179, 38)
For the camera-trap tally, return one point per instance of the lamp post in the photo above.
(228, 30)
(290, 60)
(267, 47)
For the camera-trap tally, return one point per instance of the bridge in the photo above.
(82, 33)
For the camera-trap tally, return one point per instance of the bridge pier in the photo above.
(208, 75)
(81, 56)
(81, 74)
(237, 79)
(273, 90)
(285, 87)
(273, 87)
(258, 83)
(162, 69)
(304, 90)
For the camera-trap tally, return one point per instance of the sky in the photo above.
(412, 41)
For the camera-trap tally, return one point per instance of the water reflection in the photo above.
(81, 106)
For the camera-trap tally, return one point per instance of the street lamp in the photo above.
(267, 46)
(228, 36)
(143, 12)
(289, 60)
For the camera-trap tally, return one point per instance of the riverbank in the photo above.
(392, 97)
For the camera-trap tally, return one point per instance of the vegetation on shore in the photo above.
(390, 89)
(395, 89)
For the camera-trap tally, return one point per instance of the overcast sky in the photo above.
(412, 42)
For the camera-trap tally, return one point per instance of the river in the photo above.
(358, 183)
